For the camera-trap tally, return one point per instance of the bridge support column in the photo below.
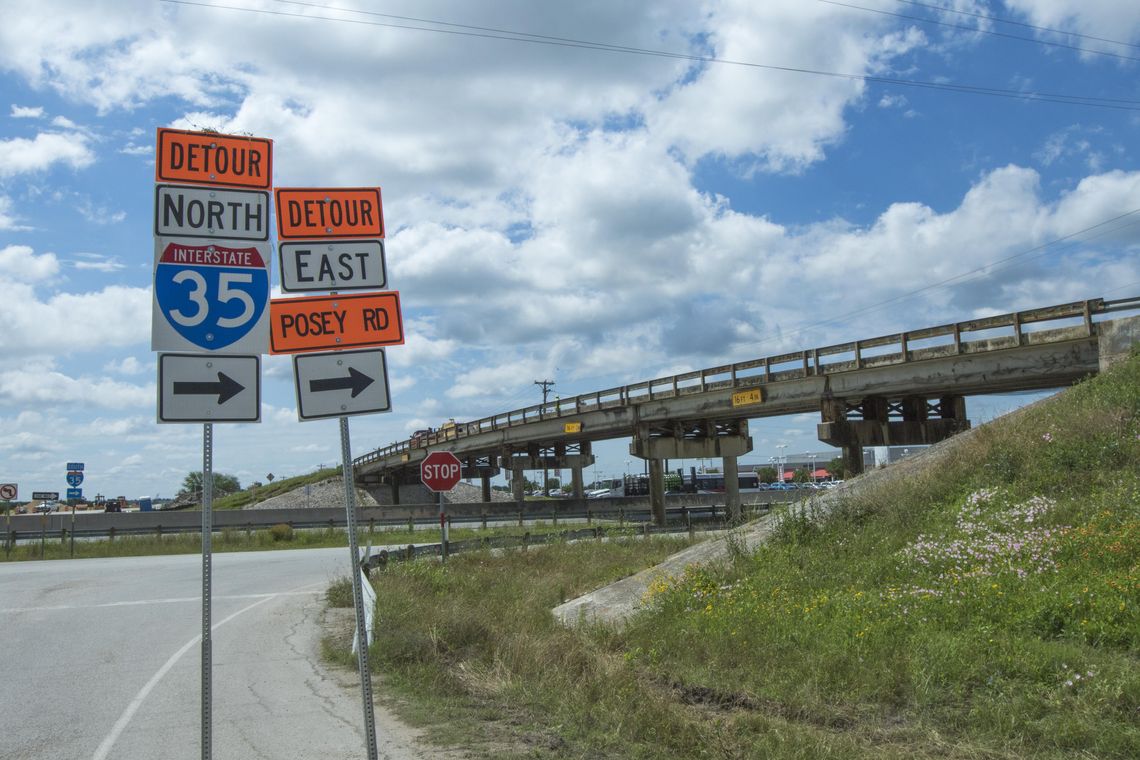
(732, 489)
(394, 484)
(485, 482)
(917, 426)
(576, 485)
(657, 490)
(518, 484)
(707, 439)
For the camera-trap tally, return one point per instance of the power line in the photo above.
(976, 30)
(1000, 20)
(525, 37)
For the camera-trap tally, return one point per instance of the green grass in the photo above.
(985, 608)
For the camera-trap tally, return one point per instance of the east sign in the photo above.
(332, 265)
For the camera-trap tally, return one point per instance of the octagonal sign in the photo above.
(440, 471)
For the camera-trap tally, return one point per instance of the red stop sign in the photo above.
(440, 471)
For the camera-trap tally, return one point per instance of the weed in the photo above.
(281, 532)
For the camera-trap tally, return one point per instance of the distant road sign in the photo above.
(322, 323)
(45, 495)
(341, 384)
(75, 467)
(750, 396)
(193, 211)
(75, 493)
(308, 213)
(9, 491)
(75, 479)
(198, 388)
(210, 296)
(440, 471)
(214, 159)
(332, 265)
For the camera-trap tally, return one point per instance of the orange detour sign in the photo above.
(324, 323)
(308, 213)
(208, 158)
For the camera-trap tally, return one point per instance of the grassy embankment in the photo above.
(984, 607)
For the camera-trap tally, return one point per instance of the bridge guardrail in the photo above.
(976, 335)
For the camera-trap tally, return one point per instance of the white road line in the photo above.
(116, 730)
(143, 602)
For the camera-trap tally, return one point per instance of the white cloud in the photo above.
(98, 214)
(801, 114)
(129, 366)
(97, 263)
(1097, 18)
(73, 323)
(21, 156)
(23, 387)
(27, 112)
(8, 221)
(20, 263)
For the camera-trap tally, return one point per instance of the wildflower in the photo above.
(1048, 438)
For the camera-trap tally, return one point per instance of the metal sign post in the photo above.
(207, 547)
(442, 529)
(357, 591)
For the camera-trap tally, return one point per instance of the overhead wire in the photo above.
(1091, 101)
(1013, 22)
(976, 30)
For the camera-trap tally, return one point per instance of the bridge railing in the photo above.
(1049, 324)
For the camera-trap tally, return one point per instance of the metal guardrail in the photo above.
(335, 520)
(382, 558)
(972, 336)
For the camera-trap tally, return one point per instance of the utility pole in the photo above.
(546, 385)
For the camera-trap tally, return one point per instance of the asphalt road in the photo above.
(101, 660)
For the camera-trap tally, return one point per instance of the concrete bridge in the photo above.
(902, 389)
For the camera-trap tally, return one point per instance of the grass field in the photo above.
(987, 606)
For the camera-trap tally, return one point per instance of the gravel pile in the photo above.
(327, 493)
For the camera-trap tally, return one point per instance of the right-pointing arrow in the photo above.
(357, 381)
(226, 388)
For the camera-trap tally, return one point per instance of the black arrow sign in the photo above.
(356, 380)
(226, 388)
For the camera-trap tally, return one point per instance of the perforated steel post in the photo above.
(207, 548)
(357, 591)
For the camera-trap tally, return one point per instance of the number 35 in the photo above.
(226, 293)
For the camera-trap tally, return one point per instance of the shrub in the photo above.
(281, 532)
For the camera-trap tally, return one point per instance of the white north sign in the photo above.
(210, 212)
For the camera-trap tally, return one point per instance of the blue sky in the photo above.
(555, 212)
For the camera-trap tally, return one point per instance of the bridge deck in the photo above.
(1029, 350)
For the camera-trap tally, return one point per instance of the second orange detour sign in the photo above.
(329, 323)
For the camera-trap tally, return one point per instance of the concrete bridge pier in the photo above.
(484, 468)
(918, 422)
(574, 457)
(706, 439)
